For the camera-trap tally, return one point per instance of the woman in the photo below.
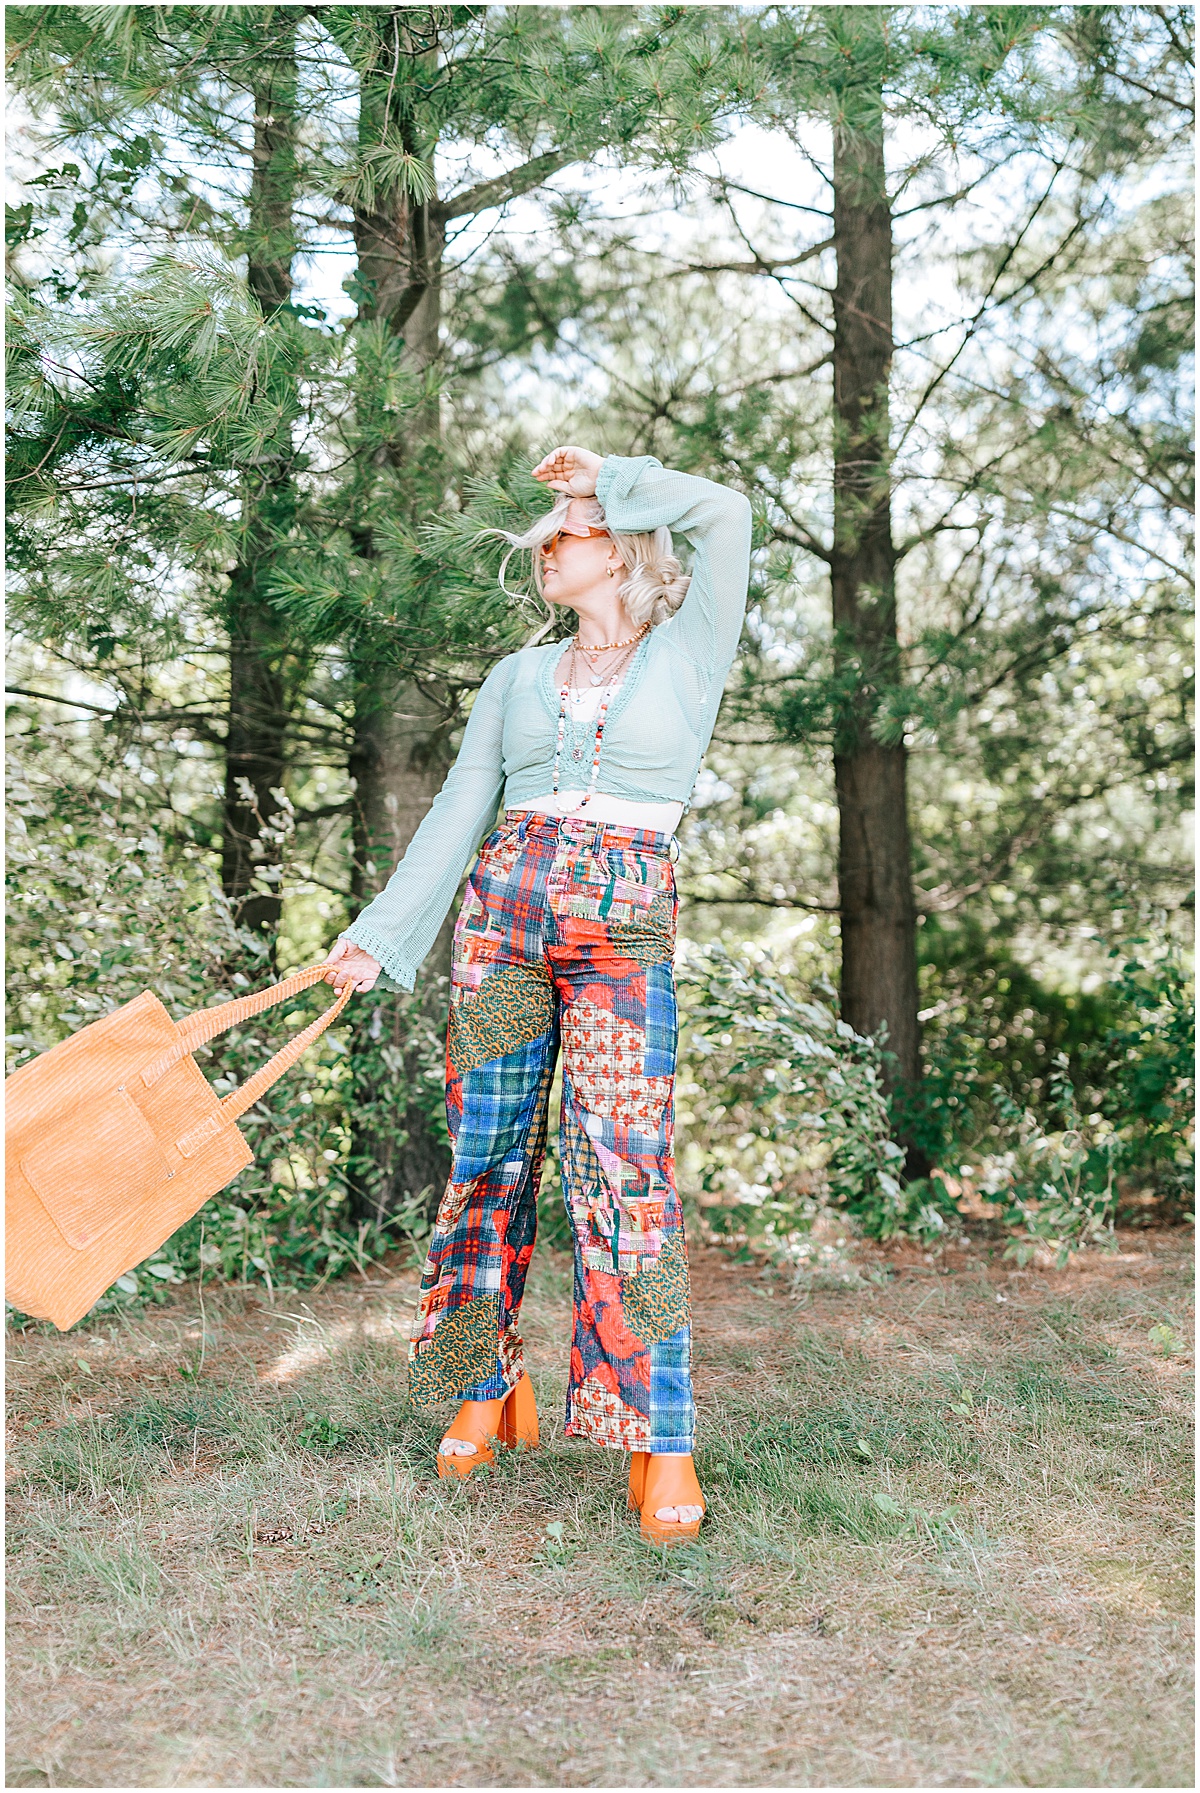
(567, 934)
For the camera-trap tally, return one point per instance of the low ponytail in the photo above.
(657, 583)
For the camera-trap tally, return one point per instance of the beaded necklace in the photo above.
(564, 698)
(592, 651)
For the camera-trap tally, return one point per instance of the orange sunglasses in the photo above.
(551, 542)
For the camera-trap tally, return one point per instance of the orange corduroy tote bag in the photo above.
(114, 1138)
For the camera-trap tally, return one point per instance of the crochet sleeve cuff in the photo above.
(398, 972)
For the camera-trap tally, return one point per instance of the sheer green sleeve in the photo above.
(640, 495)
(401, 924)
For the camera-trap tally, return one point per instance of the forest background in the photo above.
(298, 296)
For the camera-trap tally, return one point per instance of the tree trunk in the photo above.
(255, 753)
(400, 1147)
(255, 744)
(878, 918)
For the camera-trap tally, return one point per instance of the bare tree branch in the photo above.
(760, 264)
(485, 195)
(760, 902)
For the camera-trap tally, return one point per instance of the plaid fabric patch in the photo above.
(565, 935)
(672, 1410)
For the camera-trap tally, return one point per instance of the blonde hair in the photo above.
(655, 584)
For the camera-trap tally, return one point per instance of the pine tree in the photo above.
(559, 90)
(878, 915)
(989, 89)
(342, 571)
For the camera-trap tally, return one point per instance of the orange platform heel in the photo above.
(510, 1421)
(518, 1416)
(663, 1482)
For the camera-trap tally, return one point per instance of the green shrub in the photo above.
(1145, 1065)
(1119, 1113)
(1000, 1042)
(103, 905)
(783, 1107)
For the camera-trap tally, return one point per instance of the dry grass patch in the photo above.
(947, 1546)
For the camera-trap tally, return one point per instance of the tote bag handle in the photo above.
(205, 1024)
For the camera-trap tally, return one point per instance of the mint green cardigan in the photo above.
(657, 729)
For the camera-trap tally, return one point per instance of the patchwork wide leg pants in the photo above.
(566, 937)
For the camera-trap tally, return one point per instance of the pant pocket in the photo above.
(501, 847)
(641, 875)
(615, 884)
(477, 939)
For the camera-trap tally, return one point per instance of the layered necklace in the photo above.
(567, 731)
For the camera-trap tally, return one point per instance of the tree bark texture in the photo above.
(400, 1145)
(878, 918)
(401, 753)
(256, 724)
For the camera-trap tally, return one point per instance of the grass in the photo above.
(946, 1546)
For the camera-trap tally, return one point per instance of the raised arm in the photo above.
(639, 495)
(402, 923)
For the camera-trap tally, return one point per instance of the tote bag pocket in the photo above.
(80, 1193)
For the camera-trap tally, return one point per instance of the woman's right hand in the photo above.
(573, 470)
(349, 964)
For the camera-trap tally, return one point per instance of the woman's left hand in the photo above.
(572, 470)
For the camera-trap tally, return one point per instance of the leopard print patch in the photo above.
(511, 1007)
(460, 1355)
(650, 940)
(657, 1301)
